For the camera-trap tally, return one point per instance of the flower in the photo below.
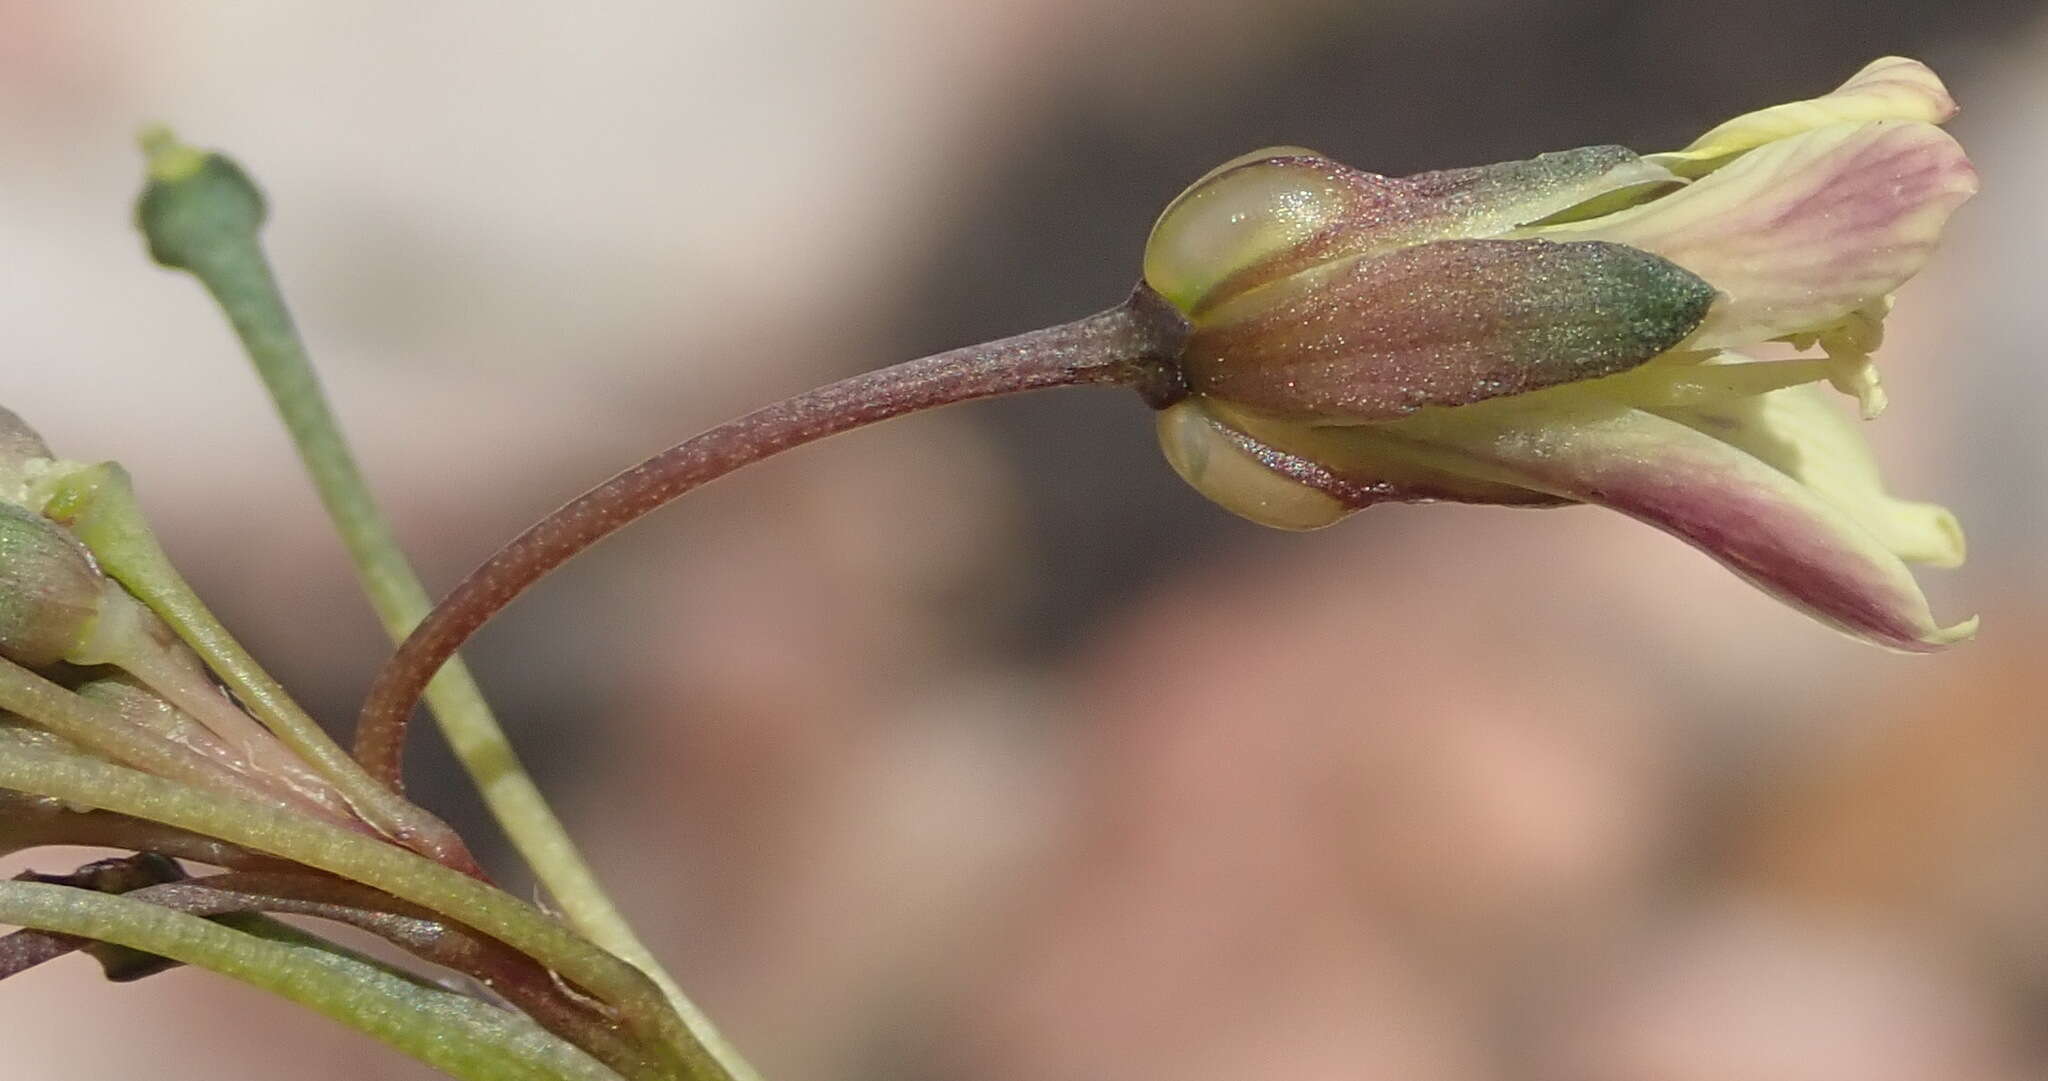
(1568, 329)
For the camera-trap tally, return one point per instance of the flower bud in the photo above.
(1567, 329)
(21, 450)
(194, 202)
(50, 589)
(18, 441)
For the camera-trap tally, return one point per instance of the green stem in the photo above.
(88, 782)
(175, 677)
(99, 505)
(262, 926)
(457, 1035)
(240, 898)
(101, 729)
(28, 821)
(229, 261)
(27, 948)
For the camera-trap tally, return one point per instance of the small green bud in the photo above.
(18, 441)
(23, 457)
(195, 202)
(97, 503)
(50, 589)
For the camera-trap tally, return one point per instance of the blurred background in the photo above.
(976, 745)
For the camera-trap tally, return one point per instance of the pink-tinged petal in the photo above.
(1444, 323)
(1271, 214)
(1804, 433)
(1891, 88)
(1757, 520)
(1801, 234)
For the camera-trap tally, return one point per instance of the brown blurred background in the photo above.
(976, 746)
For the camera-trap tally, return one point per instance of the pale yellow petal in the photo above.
(1804, 233)
(1763, 522)
(1691, 382)
(1891, 88)
(1804, 433)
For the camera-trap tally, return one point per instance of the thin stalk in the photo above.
(100, 728)
(131, 637)
(514, 976)
(453, 1033)
(406, 875)
(1129, 345)
(34, 821)
(25, 949)
(262, 926)
(255, 754)
(99, 505)
(229, 261)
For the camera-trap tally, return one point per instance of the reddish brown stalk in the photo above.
(1135, 344)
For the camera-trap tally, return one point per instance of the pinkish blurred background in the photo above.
(977, 746)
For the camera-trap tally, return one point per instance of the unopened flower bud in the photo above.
(22, 452)
(18, 441)
(1565, 330)
(193, 201)
(50, 590)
